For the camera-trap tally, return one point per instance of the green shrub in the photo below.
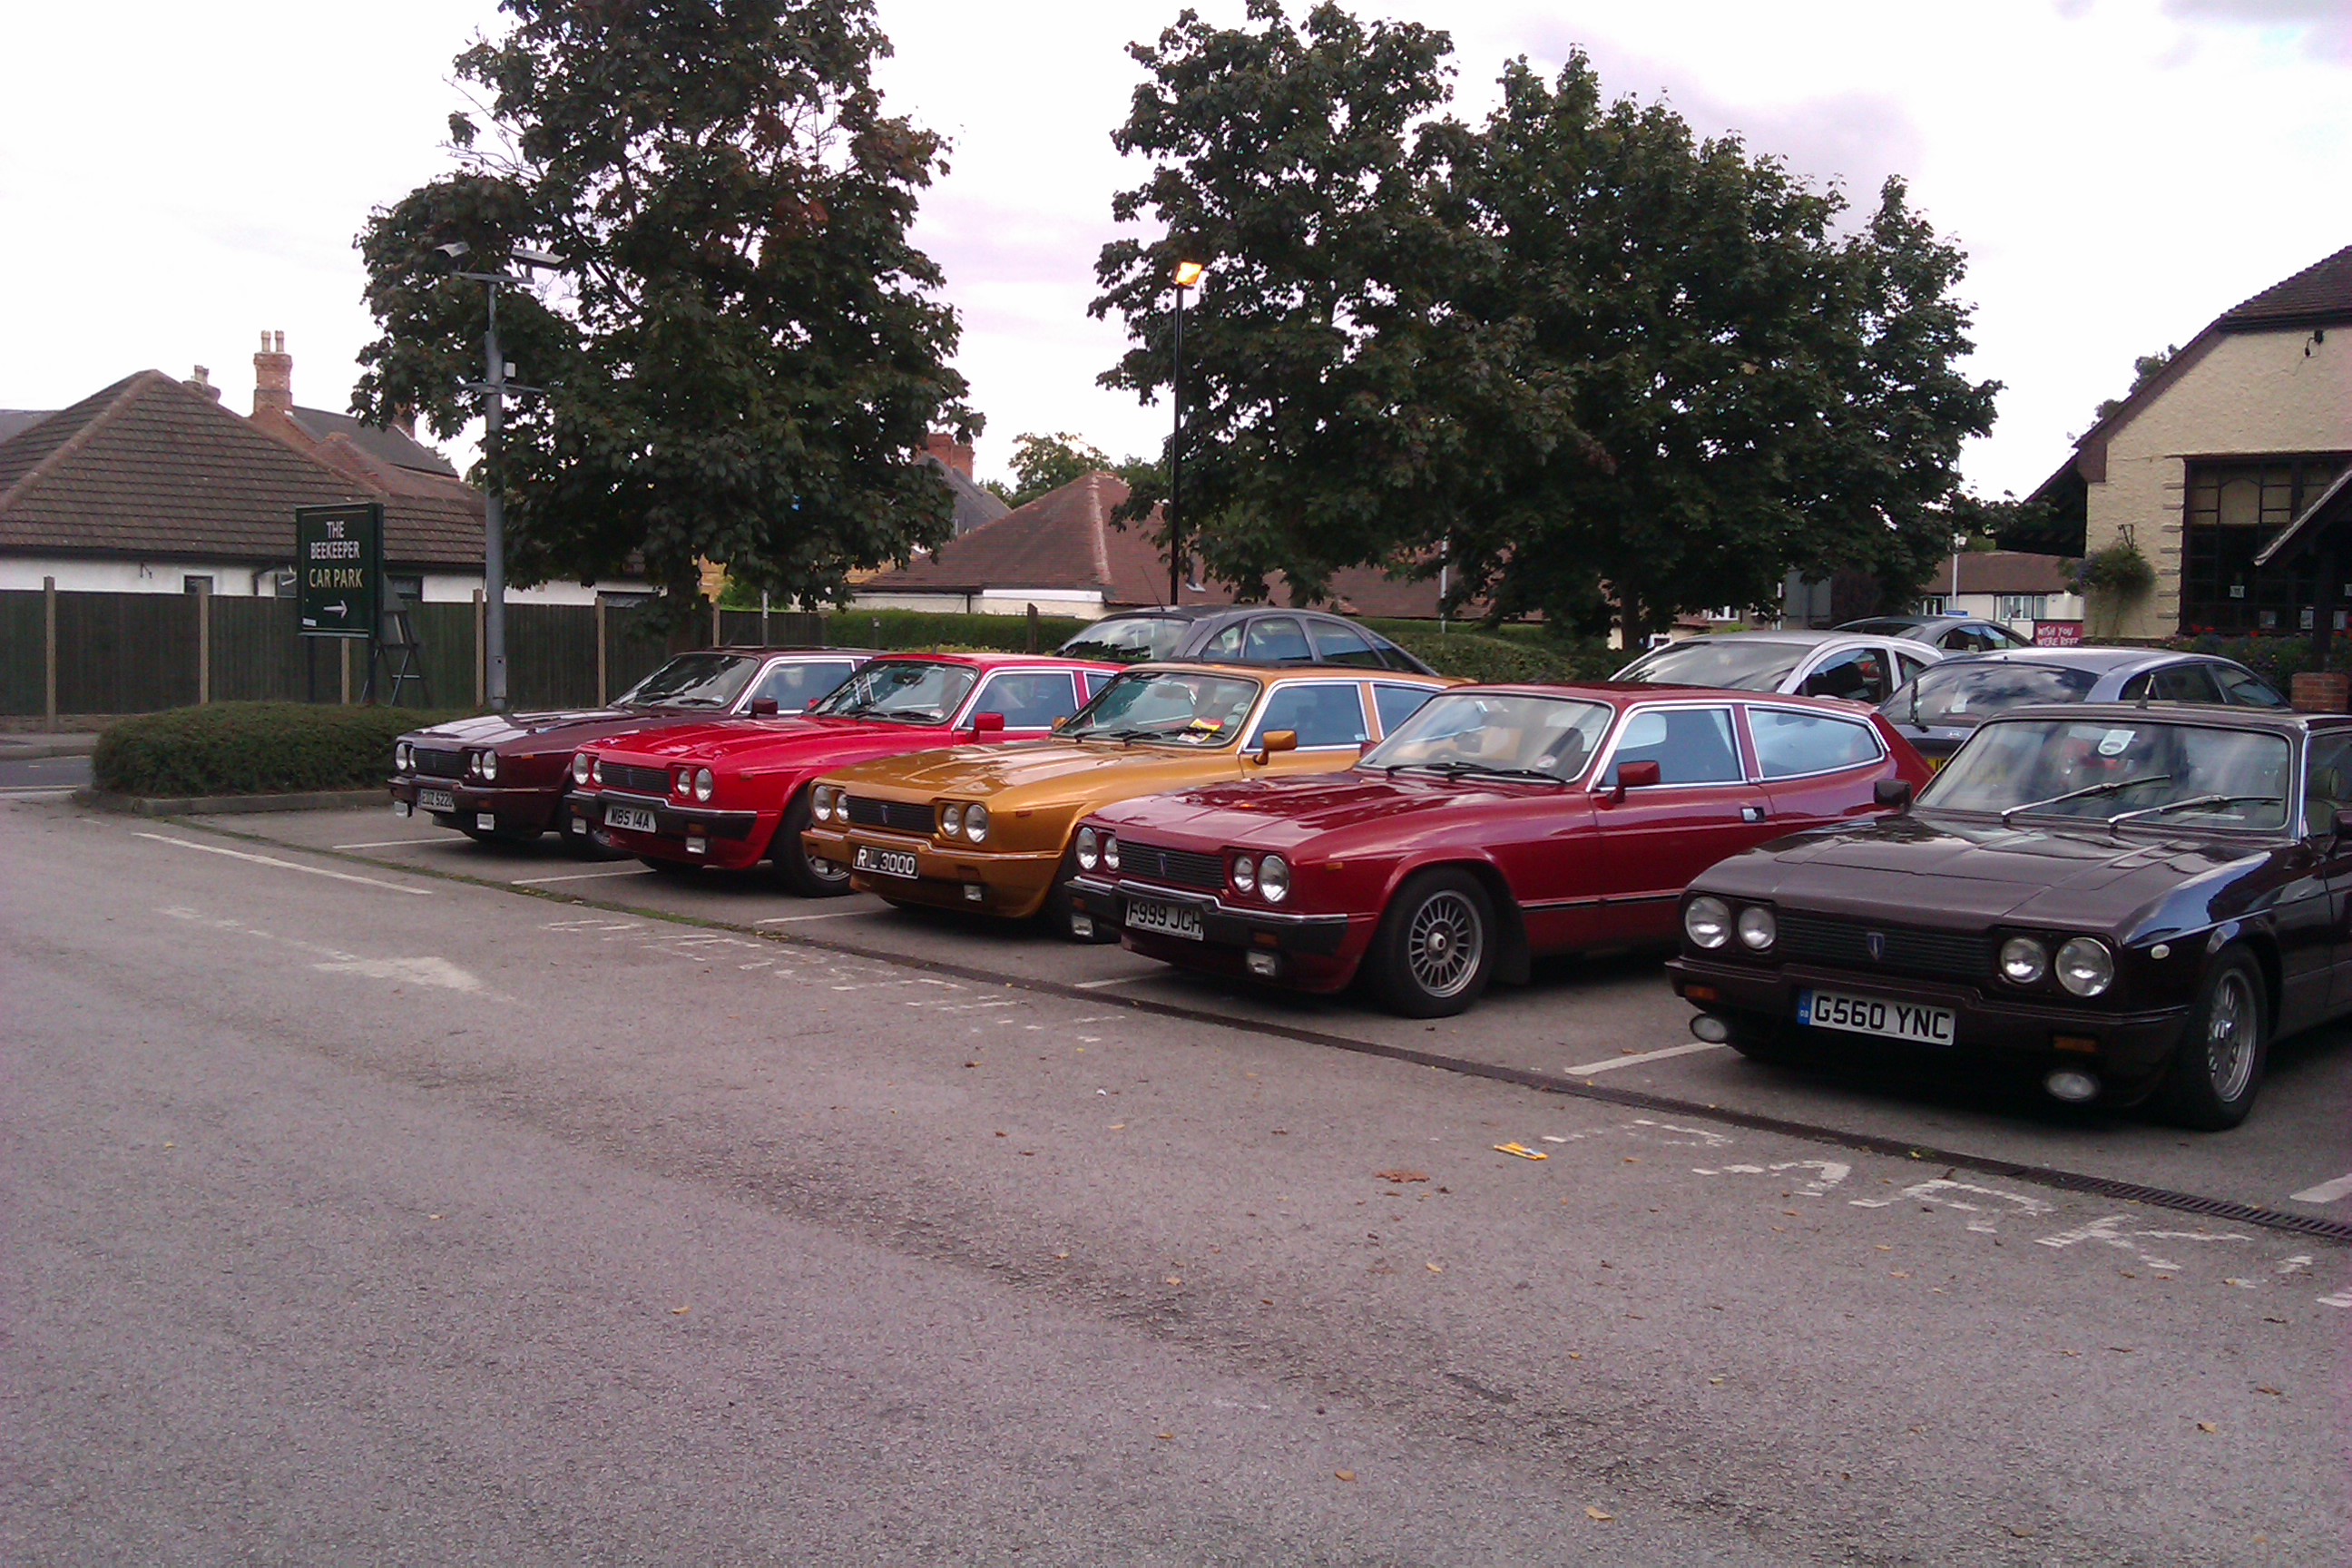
(1474, 656)
(892, 629)
(251, 748)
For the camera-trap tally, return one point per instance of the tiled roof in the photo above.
(2321, 292)
(973, 505)
(2004, 572)
(13, 420)
(396, 448)
(149, 466)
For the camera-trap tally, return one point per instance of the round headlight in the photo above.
(975, 824)
(685, 781)
(2085, 967)
(831, 800)
(951, 820)
(474, 762)
(1244, 872)
(403, 758)
(580, 766)
(1273, 878)
(1110, 851)
(1756, 928)
(597, 770)
(1090, 848)
(489, 764)
(1706, 921)
(703, 783)
(2023, 961)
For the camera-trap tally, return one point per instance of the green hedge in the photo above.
(251, 748)
(927, 629)
(1476, 655)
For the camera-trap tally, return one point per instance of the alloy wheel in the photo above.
(1443, 945)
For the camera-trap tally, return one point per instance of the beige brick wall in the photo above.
(2250, 393)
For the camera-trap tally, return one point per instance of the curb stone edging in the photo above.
(227, 804)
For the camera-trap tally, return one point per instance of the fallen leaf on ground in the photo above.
(2021, 1535)
(1899, 1273)
(1595, 1515)
(1401, 1175)
(679, 1311)
(1345, 1475)
(2206, 1427)
(1882, 1245)
(1165, 1436)
(2274, 1393)
(1714, 1382)
(1576, 1356)
(1175, 1279)
(1437, 1269)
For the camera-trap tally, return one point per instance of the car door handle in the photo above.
(1751, 814)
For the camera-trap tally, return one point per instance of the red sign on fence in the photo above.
(2057, 634)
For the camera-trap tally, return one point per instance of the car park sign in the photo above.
(339, 568)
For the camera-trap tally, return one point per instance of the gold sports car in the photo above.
(989, 828)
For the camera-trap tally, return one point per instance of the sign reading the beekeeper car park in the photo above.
(339, 568)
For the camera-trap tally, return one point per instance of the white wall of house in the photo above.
(2250, 394)
(239, 578)
(2018, 612)
(1085, 604)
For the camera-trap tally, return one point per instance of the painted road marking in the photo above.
(284, 865)
(387, 844)
(1118, 980)
(2325, 1193)
(790, 919)
(1588, 1068)
(583, 876)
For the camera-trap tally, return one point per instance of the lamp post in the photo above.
(494, 387)
(1188, 275)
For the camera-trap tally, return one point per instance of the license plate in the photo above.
(1869, 1015)
(885, 862)
(635, 818)
(1165, 919)
(435, 800)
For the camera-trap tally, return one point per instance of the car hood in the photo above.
(759, 743)
(1921, 870)
(1278, 812)
(1037, 773)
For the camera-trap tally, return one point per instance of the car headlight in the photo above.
(685, 781)
(703, 783)
(2023, 961)
(1090, 848)
(403, 757)
(597, 770)
(1244, 872)
(1756, 928)
(489, 764)
(2085, 967)
(975, 824)
(1273, 878)
(1110, 851)
(1707, 922)
(821, 803)
(580, 767)
(951, 820)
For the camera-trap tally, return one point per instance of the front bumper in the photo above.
(689, 835)
(509, 808)
(1314, 953)
(2132, 1048)
(1012, 883)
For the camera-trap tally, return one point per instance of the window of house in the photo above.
(2231, 511)
(2022, 607)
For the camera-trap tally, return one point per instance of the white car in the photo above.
(1856, 666)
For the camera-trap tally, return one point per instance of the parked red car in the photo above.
(505, 776)
(738, 794)
(1498, 824)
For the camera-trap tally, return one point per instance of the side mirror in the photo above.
(1274, 740)
(1896, 792)
(1638, 775)
(810, 706)
(988, 723)
(763, 707)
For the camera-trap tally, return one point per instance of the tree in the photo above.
(1045, 463)
(2144, 369)
(743, 352)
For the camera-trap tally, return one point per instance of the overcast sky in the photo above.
(175, 178)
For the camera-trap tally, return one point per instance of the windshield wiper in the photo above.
(2111, 787)
(694, 702)
(1457, 768)
(2193, 803)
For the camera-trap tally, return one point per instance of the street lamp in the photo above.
(494, 387)
(1188, 276)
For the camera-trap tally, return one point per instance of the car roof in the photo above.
(2105, 660)
(1631, 693)
(1794, 637)
(759, 650)
(1300, 670)
(2200, 713)
(986, 660)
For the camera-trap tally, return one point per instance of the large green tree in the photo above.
(743, 352)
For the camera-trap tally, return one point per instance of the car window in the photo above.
(1395, 658)
(1881, 629)
(1908, 667)
(1497, 733)
(1789, 744)
(694, 680)
(1859, 674)
(2186, 683)
(1972, 639)
(1276, 639)
(2327, 782)
(1095, 680)
(1744, 664)
(2244, 689)
(1322, 713)
(792, 685)
(1029, 700)
(1398, 703)
(1336, 642)
(1225, 647)
(1129, 639)
(1690, 745)
(1961, 694)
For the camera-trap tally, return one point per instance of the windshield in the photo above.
(1129, 639)
(1168, 708)
(908, 691)
(1962, 695)
(1741, 664)
(693, 680)
(1490, 732)
(2109, 771)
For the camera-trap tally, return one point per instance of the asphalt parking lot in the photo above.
(1609, 1024)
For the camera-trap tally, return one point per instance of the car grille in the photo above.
(1178, 868)
(643, 781)
(899, 815)
(439, 764)
(1936, 954)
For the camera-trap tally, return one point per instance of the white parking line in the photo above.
(1588, 1068)
(788, 920)
(583, 876)
(284, 865)
(387, 844)
(2325, 1193)
(1116, 980)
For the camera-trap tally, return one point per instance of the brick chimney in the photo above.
(273, 378)
(203, 382)
(403, 419)
(950, 452)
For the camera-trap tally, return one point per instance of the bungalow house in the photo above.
(2014, 587)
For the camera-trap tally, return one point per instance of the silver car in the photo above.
(1860, 667)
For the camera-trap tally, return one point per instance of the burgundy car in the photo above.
(1498, 824)
(506, 776)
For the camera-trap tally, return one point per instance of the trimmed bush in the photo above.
(251, 748)
(894, 630)
(1474, 656)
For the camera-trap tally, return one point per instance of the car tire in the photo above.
(1763, 1040)
(798, 871)
(2218, 1066)
(1435, 949)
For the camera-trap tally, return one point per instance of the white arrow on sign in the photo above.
(341, 610)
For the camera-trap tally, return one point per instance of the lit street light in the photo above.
(1188, 275)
